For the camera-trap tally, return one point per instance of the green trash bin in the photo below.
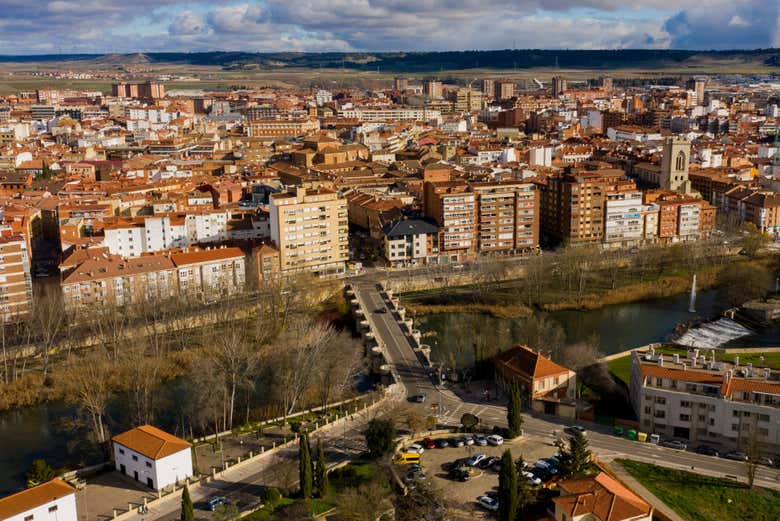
(631, 434)
(618, 431)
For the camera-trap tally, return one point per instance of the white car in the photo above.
(475, 459)
(415, 448)
(488, 503)
(532, 480)
(495, 440)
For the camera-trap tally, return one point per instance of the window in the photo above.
(135, 458)
(121, 451)
(52, 509)
(680, 163)
(28, 518)
(661, 401)
(685, 417)
(685, 403)
(660, 414)
(734, 426)
(149, 464)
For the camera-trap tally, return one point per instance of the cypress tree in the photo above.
(507, 488)
(575, 459)
(305, 466)
(321, 472)
(514, 416)
(187, 511)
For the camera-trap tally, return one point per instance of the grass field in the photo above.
(701, 498)
(621, 368)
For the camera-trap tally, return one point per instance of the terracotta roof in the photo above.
(602, 497)
(34, 497)
(194, 257)
(679, 374)
(752, 386)
(524, 360)
(151, 442)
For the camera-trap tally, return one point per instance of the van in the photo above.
(408, 458)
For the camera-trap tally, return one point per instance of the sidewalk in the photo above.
(648, 496)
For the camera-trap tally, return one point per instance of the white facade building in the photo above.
(623, 223)
(152, 456)
(54, 500)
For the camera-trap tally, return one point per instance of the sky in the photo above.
(123, 26)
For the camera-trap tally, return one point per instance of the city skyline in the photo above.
(382, 25)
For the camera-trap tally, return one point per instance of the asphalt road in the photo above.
(449, 406)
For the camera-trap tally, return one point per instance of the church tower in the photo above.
(674, 166)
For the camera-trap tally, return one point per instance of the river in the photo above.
(41, 432)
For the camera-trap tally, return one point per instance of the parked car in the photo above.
(468, 440)
(214, 502)
(419, 449)
(495, 440)
(380, 310)
(674, 444)
(428, 443)
(532, 480)
(480, 440)
(706, 450)
(414, 476)
(736, 455)
(442, 444)
(464, 440)
(543, 474)
(575, 429)
(419, 398)
(474, 460)
(459, 475)
(414, 468)
(488, 503)
(765, 460)
(456, 442)
(488, 462)
(547, 466)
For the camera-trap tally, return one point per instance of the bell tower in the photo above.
(674, 166)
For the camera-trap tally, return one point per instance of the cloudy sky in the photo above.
(41, 26)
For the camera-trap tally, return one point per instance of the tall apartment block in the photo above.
(309, 228)
(504, 89)
(432, 89)
(507, 217)
(572, 205)
(15, 282)
(454, 208)
(558, 86)
(146, 90)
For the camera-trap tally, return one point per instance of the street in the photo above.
(450, 406)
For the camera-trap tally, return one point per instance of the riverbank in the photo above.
(518, 298)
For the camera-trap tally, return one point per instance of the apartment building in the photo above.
(572, 205)
(453, 207)
(468, 100)
(391, 114)
(411, 242)
(624, 224)
(432, 89)
(15, 281)
(698, 398)
(309, 228)
(101, 278)
(507, 216)
(682, 218)
(504, 89)
(282, 127)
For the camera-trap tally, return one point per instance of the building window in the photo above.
(734, 426)
(121, 451)
(135, 458)
(149, 464)
(28, 518)
(52, 509)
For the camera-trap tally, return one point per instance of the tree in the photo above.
(740, 283)
(525, 494)
(469, 422)
(380, 437)
(415, 422)
(187, 511)
(753, 239)
(40, 472)
(507, 488)
(514, 415)
(321, 472)
(305, 466)
(226, 512)
(364, 503)
(575, 458)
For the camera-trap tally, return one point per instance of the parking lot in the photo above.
(435, 463)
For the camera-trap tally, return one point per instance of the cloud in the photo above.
(346, 25)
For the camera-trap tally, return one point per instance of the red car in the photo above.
(428, 443)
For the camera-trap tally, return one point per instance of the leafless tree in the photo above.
(365, 503)
(90, 390)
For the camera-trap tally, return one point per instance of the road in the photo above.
(449, 406)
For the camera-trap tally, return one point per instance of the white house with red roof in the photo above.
(54, 500)
(152, 456)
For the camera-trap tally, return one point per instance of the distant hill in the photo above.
(401, 62)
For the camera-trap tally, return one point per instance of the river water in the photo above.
(39, 432)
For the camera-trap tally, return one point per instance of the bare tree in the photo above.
(90, 390)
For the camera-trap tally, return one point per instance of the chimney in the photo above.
(676, 358)
(767, 373)
(727, 376)
(736, 361)
(695, 354)
(660, 360)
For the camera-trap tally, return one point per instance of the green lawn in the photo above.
(701, 498)
(621, 368)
